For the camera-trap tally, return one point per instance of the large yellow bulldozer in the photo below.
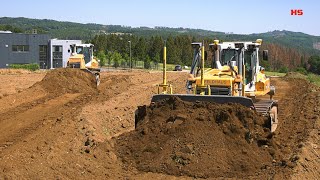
(235, 76)
(82, 58)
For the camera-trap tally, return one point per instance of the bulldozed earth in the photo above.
(198, 140)
(58, 124)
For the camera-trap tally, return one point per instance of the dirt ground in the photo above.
(68, 130)
(15, 81)
(199, 140)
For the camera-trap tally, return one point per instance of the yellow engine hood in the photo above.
(217, 77)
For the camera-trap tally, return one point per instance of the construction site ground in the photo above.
(57, 125)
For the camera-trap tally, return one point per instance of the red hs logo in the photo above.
(296, 12)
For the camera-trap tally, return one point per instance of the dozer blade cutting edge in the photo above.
(220, 99)
(95, 73)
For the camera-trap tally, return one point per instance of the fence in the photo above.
(140, 65)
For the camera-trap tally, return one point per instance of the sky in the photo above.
(236, 16)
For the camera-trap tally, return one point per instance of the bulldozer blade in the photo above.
(220, 99)
(95, 73)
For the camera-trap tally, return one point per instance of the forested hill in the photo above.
(71, 30)
(287, 49)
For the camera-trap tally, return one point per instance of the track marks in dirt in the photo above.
(65, 143)
(113, 111)
(309, 158)
(21, 99)
(29, 117)
(298, 114)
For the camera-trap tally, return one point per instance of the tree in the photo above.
(187, 51)
(147, 62)
(116, 58)
(172, 54)
(314, 62)
(156, 58)
(102, 57)
(100, 42)
(283, 69)
(265, 64)
(179, 49)
(140, 49)
(126, 59)
(10, 28)
(109, 57)
(156, 48)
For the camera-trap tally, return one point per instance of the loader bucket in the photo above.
(220, 99)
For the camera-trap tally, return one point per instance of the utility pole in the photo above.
(130, 63)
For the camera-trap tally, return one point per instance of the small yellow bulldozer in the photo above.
(82, 58)
(235, 76)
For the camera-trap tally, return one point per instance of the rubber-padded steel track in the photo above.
(264, 106)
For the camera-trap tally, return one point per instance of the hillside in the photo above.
(71, 30)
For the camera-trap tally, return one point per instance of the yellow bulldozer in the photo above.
(235, 76)
(82, 58)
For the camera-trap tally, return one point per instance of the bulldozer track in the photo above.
(263, 106)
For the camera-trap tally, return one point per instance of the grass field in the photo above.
(269, 73)
(313, 78)
(170, 67)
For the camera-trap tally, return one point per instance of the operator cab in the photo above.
(85, 49)
(227, 56)
(230, 54)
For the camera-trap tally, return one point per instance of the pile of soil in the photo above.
(66, 80)
(200, 139)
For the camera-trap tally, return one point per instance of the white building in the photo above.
(60, 52)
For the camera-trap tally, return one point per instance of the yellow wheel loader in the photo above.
(82, 58)
(235, 76)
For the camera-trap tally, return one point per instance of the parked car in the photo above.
(178, 68)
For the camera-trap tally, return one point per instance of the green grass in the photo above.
(313, 78)
(269, 73)
(170, 67)
(30, 67)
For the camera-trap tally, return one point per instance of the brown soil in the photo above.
(17, 82)
(64, 80)
(223, 141)
(199, 140)
(56, 130)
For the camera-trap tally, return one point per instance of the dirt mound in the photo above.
(295, 75)
(65, 80)
(198, 139)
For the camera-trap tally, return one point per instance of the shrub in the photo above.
(147, 62)
(301, 70)
(30, 67)
(283, 70)
(102, 57)
(116, 58)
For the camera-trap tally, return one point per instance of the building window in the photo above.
(43, 57)
(14, 48)
(57, 48)
(42, 48)
(20, 48)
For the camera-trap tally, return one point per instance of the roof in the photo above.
(5, 32)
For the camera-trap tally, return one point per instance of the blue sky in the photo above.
(237, 16)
